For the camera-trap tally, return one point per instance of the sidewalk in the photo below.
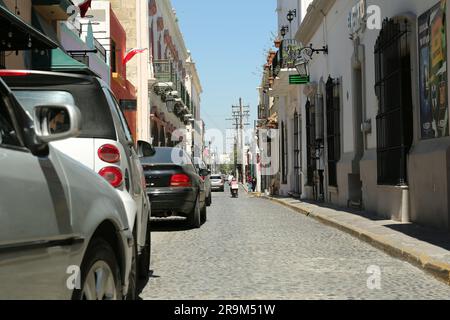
(425, 248)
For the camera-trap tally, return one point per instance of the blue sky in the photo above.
(227, 40)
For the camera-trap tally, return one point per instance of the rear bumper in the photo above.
(177, 200)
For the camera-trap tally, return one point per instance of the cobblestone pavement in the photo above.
(251, 248)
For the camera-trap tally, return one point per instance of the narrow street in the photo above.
(251, 248)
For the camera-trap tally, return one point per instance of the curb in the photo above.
(436, 268)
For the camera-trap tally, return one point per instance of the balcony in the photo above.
(285, 57)
(165, 71)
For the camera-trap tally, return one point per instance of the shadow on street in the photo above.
(169, 225)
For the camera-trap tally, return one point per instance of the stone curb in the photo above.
(438, 269)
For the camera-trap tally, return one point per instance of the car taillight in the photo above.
(180, 180)
(113, 175)
(109, 153)
(13, 73)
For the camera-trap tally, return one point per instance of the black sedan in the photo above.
(174, 186)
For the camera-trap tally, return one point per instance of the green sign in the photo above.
(298, 79)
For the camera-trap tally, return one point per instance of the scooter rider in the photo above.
(234, 187)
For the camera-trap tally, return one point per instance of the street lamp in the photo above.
(304, 56)
(302, 67)
(284, 30)
(290, 17)
(170, 102)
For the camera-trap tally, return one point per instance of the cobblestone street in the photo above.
(251, 248)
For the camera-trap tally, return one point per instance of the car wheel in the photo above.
(132, 279)
(203, 214)
(100, 274)
(209, 200)
(194, 219)
(144, 258)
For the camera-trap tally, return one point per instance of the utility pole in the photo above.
(240, 116)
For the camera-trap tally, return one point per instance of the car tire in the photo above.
(194, 219)
(203, 214)
(99, 257)
(145, 256)
(132, 279)
(209, 200)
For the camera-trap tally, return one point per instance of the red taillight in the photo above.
(109, 153)
(13, 73)
(113, 175)
(180, 180)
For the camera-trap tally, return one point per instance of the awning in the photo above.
(15, 34)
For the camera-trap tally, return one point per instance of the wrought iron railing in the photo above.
(165, 71)
(286, 56)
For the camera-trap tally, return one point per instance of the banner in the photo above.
(433, 72)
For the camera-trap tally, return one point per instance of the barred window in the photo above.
(393, 89)
(310, 142)
(333, 129)
(283, 153)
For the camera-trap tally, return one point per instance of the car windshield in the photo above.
(169, 156)
(216, 177)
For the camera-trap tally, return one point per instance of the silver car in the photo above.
(217, 182)
(63, 229)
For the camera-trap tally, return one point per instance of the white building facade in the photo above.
(176, 78)
(371, 128)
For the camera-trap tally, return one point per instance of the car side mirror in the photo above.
(56, 122)
(145, 149)
(204, 172)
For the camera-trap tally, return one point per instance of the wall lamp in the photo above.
(284, 30)
(291, 15)
(304, 56)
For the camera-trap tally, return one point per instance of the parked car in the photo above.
(104, 145)
(60, 223)
(201, 166)
(174, 186)
(217, 182)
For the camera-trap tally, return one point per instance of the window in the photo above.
(283, 153)
(393, 89)
(296, 152)
(8, 135)
(122, 119)
(333, 129)
(310, 142)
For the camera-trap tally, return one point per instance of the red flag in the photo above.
(131, 54)
(84, 7)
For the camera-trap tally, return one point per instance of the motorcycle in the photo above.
(234, 188)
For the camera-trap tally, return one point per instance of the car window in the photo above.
(168, 155)
(199, 163)
(96, 117)
(31, 99)
(123, 121)
(216, 177)
(8, 135)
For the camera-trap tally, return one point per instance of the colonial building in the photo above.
(369, 127)
(175, 94)
(134, 17)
